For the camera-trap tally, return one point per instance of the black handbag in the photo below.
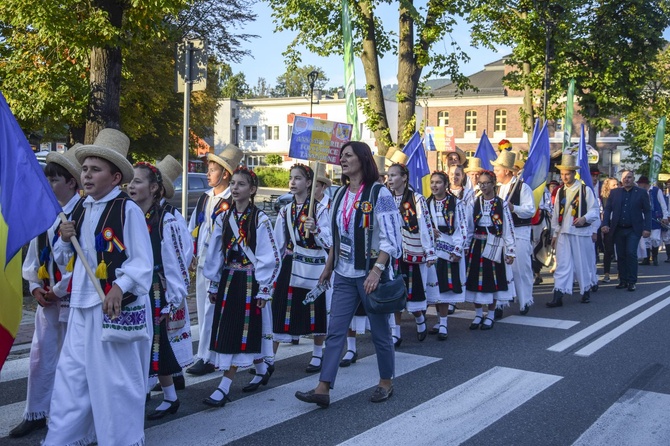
(390, 296)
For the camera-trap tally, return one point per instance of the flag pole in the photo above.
(82, 258)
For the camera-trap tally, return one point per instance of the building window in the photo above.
(250, 133)
(501, 121)
(442, 118)
(272, 132)
(470, 121)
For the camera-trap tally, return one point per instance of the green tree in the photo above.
(294, 82)
(318, 27)
(641, 122)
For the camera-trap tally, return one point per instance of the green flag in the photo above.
(567, 124)
(657, 154)
(349, 75)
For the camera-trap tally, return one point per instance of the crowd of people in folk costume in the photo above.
(477, 238)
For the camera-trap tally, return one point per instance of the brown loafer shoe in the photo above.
(319, 399)
(381, 394)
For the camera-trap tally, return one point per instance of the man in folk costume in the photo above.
(649, 247)
(220, 167)
(519, 198)
(575, 212)
(101, 379)
(48, 284)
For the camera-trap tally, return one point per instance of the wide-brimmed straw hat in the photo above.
(474, 165)
(67, 160)
(506, 160)
(229, 157)
(381, 161)
(111, 145)
(170, 170)
(461, 155)
(568, 162)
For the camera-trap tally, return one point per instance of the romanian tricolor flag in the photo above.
(537, 165)
(417, 164)
(27, 208)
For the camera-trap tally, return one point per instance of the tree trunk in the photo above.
(378, 122)
(105, 79)
(408, 78)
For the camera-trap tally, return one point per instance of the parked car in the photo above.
(197, 185)
(285, 199)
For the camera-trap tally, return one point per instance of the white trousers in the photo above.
(522, 268)
(575, 258)
(44, 352)
(205, 314)
(100, 387)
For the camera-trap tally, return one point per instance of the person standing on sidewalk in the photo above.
(48, 285)
(628, 215)
(212, 203)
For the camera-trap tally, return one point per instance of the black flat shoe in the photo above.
(158, 414)
(421, 335)
(314, 368)
(381, 394)
(200, 368)
(254, 386)
(26, 427)
(476, 323)
(319, 399)
(486, 326)
(348, 362)
(217, 403)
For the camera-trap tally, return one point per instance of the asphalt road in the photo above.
(588, 374)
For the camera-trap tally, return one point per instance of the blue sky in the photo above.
(268, 62)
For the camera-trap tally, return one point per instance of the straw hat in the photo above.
(568, 162)
(474, 165)
(506, 160)
(170, 170)
(229, 157)
(111, 145)
(380, 161)
(68, 160)
(398, 158)
(461, 155)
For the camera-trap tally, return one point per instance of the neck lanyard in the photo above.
(346, 213)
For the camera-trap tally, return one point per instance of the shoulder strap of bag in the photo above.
(368, 234)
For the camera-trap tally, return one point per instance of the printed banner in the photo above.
(318, 140)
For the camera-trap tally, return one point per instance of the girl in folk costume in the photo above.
(301, 266)
(220, 167)
(242, 264)
(491, 253)
(418, 245)
(48, 284)
(450, 228)
(171, 244)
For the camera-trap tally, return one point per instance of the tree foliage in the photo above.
(416, 44)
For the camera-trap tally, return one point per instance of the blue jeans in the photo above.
(626, 241)
(347, 293)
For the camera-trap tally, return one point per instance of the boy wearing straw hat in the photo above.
(519, 198)
(101, 379)
(575, 211)
(48, 284)
(220, 167)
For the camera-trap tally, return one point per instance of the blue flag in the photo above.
(583, 159)
(537, 165)
(417, 164)
(27, 202)
(486, 152)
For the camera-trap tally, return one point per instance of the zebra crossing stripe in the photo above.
(462, 412)
(273, 406)
(638, 417)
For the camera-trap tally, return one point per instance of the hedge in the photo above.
(272, 176)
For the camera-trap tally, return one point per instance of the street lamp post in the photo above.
(311, 78)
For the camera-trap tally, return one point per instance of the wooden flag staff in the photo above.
(82, 258)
